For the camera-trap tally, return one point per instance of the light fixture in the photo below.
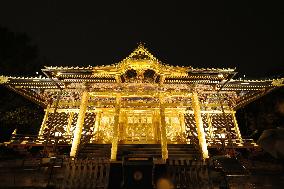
(223, 134)
(220, 75)
(57, 134)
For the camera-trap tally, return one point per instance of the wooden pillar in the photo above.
(43, 124)
(122, 125)
(79, 124)
(125, 127)
(181, 121)
(163, 130)
(199, 125)
(96, 125)
(237, 127)
(115, 129)
(156, 125)
(97, 122)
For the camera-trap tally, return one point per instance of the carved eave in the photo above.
(202, 76)
(30, 87)
(31, 82)
(30, 94)
(78, 75)
(251, 96)
(250, 90)
(248, 85)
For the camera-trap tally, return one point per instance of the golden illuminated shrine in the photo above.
(140, 100)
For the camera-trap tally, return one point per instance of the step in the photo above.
(140, 150)
(95, 150)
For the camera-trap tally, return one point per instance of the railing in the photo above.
(67, 139)
(55, 172)
(40, 139)
(87, 173)
(236, 143)
(189, 174)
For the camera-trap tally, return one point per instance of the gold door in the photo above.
(138, 128)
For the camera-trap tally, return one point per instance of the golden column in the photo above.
(199, 125)
(163, 130)
(97, 125)
(43, 125)
(156, 125)
(122, 125)
(182, 126)
(115, 129)
(181, 121)
(79, 124)
(97, 121)
(237, 130)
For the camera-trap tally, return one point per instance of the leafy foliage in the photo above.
(12, 116)
(18, 57)
(264, 113)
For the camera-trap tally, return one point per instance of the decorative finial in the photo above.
(141, 44)
(3, 79)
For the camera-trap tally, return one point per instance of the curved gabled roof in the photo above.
(139, 59)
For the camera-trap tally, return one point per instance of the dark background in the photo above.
(247, 35)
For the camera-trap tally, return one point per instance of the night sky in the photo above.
(249, 36)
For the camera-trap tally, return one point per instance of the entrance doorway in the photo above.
(139, 127)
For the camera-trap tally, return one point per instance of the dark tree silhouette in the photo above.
(261, 117)
(264, 113)
(18, 57)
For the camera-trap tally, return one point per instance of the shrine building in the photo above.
(140, 102)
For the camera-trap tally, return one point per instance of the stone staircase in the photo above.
(183, 151)
(139, 150)
(176, 151)
(95, 151)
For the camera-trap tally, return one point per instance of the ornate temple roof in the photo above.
(143, 64)
(139, 59)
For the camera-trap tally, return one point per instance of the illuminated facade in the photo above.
(140, 101)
